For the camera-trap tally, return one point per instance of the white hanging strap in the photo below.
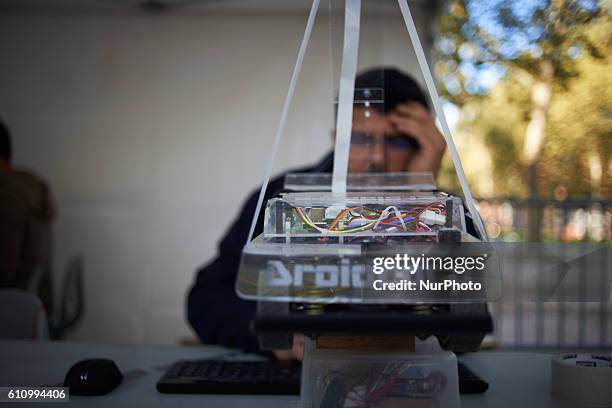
(433, 93)
(285, 111)
(344, 120)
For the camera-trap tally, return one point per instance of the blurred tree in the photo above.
(578, 156)
(510, 62)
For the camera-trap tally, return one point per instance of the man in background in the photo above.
(26, 213)
(401, 136)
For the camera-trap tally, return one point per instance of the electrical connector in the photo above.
(332, 211)
(432, 218)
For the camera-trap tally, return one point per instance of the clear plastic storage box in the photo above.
(349, 379)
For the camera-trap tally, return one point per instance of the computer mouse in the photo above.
(95, 376)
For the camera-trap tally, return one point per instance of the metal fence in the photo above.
(572, 225)
(571, 220)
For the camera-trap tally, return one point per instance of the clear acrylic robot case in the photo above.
(318, 246)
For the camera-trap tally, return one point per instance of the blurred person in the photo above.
(401, 137)
(26, 213)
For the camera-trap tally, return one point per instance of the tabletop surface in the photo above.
(516, 379)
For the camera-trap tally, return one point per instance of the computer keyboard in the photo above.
(469, 382)
(259, 377)
(231, 377)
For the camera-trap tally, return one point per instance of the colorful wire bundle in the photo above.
(390, 217)
(370, 388)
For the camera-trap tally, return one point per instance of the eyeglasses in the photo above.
(399, 142)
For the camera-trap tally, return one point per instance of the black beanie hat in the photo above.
(398, 87)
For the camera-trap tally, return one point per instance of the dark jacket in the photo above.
(214, 310)
(26, 214)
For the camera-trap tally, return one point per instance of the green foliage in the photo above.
(574, 36)
(580, 125)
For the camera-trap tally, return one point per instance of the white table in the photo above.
(517, 379)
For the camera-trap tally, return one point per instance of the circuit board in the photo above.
(300, 215)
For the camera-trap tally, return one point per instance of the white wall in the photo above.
(152, 129)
